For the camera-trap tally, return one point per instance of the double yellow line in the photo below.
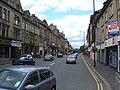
(98, 82)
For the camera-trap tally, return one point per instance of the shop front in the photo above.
(4, 48)
(111, 46)
(112, 56)
(16, 47)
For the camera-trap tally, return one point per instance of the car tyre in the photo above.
(75, 62)
(53, 88)
(66, 62)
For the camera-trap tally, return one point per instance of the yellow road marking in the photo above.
(99, 85)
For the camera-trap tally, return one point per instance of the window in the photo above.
(119, 3)
(4, 30)
(4, 13)
(23, 25)
(0, 12)
(10, 78)
(16, 33)
(106, 17)
(17, 20)
(44, 74)
(8, 16)
(111, 11)
(32, 79)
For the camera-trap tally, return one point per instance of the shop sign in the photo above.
(111, 42)
(113, 27)
(16, 43)
(4, 42)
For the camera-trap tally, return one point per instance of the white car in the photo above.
(28, 56)
(71, 59)
(60, 55)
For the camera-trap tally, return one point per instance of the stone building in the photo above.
(107, 34)
(22, 32)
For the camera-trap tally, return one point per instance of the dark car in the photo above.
(24, 77)
(23, 61)
(48, 57)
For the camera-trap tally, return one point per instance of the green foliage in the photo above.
(82, 49)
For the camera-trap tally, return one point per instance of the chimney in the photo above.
(33, 15)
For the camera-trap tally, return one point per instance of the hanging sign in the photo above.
(113, 28)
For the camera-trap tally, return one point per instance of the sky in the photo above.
(72, 17)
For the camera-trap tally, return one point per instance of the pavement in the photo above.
(107, 74)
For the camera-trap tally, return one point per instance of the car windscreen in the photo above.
(71, 57)
(47, 55)
(10, 79)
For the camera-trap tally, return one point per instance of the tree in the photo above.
(82, 49)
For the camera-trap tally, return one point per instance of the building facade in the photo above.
(107, 32)
(22, 32)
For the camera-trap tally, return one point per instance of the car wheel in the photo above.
(66, 62)
(75, 62)
(53, 88)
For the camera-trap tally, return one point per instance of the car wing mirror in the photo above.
(29, 87)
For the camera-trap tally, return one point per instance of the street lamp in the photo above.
(93, 24)
(84, 40)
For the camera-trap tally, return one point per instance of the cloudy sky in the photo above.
(71, 16)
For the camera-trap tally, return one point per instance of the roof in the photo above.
(25, 68)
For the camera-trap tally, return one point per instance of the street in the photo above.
(70, 76)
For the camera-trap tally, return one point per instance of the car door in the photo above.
(45, 82)
(32, 79)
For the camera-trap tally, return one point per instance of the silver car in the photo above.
(48, 57)
(71, 59)
(27, 78)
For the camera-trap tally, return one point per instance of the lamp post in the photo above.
(94, 32)
(84, 40)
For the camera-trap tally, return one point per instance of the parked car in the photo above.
(27, 55)
(21, 60)
(59, 55)
(27, 78)
(48, 57)
(71, 59)
(75, 55)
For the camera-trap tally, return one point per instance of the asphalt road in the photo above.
(70, 76)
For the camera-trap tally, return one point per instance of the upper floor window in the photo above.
(111, 10)
(8, 15)
(106, 16)
(23, 26)
(0, 12)
(4, 15)
(4, 30)
(17, 33)
(17, 20)
(119, 3)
